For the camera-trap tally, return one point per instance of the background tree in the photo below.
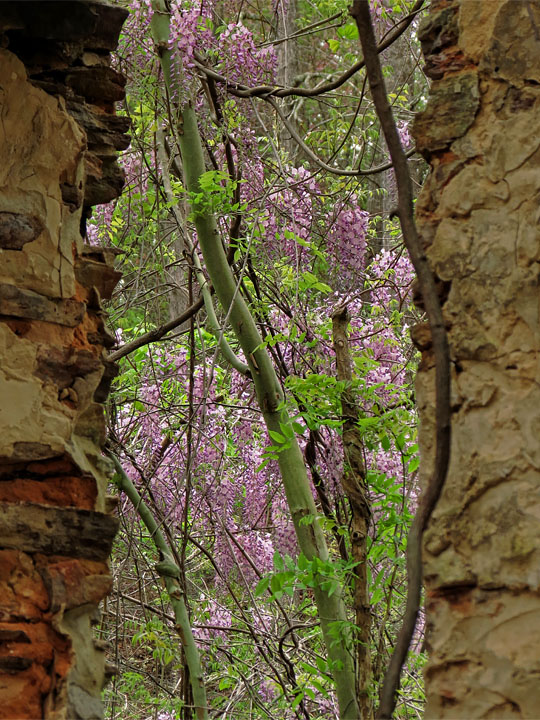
(300, 245)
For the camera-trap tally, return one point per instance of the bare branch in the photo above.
(157, 333)
(240, 90)
(320, 163)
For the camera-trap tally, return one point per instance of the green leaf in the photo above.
(262, 586)
(287, 430)
(320, 687)
(311, 669)
(333, 45)
(349, 31)
(263, 464)
(289, 562)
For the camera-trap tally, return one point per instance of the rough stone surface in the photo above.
(16, 230)
(59, 139)
(479, 220)
(453, 106)
(56, 531)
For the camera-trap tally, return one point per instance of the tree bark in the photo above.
(58, 143)
(478, 218)
(355, 489)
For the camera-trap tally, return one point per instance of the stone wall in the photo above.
(479, 217)
(59, 138)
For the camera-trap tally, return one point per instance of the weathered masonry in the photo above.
(59, 138)
(479, 218)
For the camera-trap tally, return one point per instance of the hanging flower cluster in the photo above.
(348, 241)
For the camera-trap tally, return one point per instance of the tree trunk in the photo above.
(58, 142)
(287, 68)
(478, 216)
(355, 489)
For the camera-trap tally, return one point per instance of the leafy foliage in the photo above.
(302, 243)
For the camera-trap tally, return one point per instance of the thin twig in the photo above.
(320, 163)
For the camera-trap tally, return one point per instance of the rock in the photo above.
(450, 112)
(21, 303)
(17, 229)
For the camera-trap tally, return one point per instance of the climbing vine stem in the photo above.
(361, 13)
(169, 571)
